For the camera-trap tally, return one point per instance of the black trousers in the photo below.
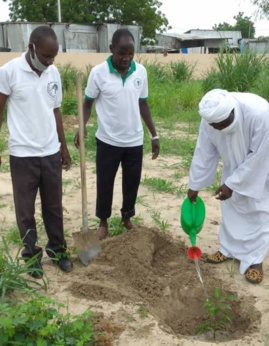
(108, 159)
(30, 175)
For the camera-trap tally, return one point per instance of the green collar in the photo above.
(132, 68)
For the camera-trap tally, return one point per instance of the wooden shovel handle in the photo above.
(82, 155)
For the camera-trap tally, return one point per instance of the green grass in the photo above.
(163, 225)
(159, 184)
(12, 235)
(13, 269)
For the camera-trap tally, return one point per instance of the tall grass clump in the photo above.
(238, 72)
(163, 91)
(68, 74)
(181, 70)
(157, 73)
(190, 94)
(261, 84)
(211, 80)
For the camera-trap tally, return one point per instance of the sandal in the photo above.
(254, 274)
(216, 258)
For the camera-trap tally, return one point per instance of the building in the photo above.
(200, 41)
(14, 36)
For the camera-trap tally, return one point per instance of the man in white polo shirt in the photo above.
(31, 86)
(119, 87)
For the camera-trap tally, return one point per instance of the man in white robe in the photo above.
(235, 129)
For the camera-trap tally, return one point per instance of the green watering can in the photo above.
(192, 220)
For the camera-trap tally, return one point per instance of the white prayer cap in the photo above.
(216, 106)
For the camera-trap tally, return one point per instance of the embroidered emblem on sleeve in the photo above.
(52, 89)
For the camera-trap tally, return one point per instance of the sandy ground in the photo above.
(142, 282)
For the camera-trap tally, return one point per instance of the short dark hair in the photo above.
(118, 34)
(42, 32)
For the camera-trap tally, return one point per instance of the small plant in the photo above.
(115, 226)
(143, 313)
(230, 267)
(218, 311)
(159, 184)
(140, 200)
(162, 224)
(12, 273)
(39, 322)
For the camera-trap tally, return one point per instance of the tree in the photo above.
(223, 26)
(243, 24)
(263, 7)
(144, 13)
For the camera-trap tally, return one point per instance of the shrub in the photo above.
(38, 322)
(181, 71)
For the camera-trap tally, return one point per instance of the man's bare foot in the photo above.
(127, 223)
(103, 229)
(103, 232)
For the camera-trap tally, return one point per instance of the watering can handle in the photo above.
(193, 212)
(192, 234)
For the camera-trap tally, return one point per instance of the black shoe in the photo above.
(35, 269)
(64, 264)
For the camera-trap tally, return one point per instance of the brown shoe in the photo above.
(254, 274)
(216, 258)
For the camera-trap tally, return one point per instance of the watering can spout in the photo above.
(192, 236)
(194, 253)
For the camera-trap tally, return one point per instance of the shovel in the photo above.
(86, 241)
(192, 220)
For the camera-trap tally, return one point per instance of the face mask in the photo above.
(231, 128)
(37, 64)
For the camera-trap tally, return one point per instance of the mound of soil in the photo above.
(148, 267)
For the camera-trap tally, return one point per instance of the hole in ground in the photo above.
(148, 266)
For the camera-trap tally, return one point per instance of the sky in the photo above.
(184, 15)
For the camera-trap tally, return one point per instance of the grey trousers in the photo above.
(30, 175)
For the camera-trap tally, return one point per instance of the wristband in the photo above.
(155, 137)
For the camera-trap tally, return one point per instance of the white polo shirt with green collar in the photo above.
(117, 103)
(31, 102)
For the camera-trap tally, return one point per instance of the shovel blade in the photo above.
(87, 244)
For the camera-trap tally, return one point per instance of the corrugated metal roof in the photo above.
(185, 37)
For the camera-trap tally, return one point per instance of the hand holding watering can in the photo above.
(192, 219)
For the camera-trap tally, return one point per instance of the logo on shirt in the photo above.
(137, 83)
(52, 89)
